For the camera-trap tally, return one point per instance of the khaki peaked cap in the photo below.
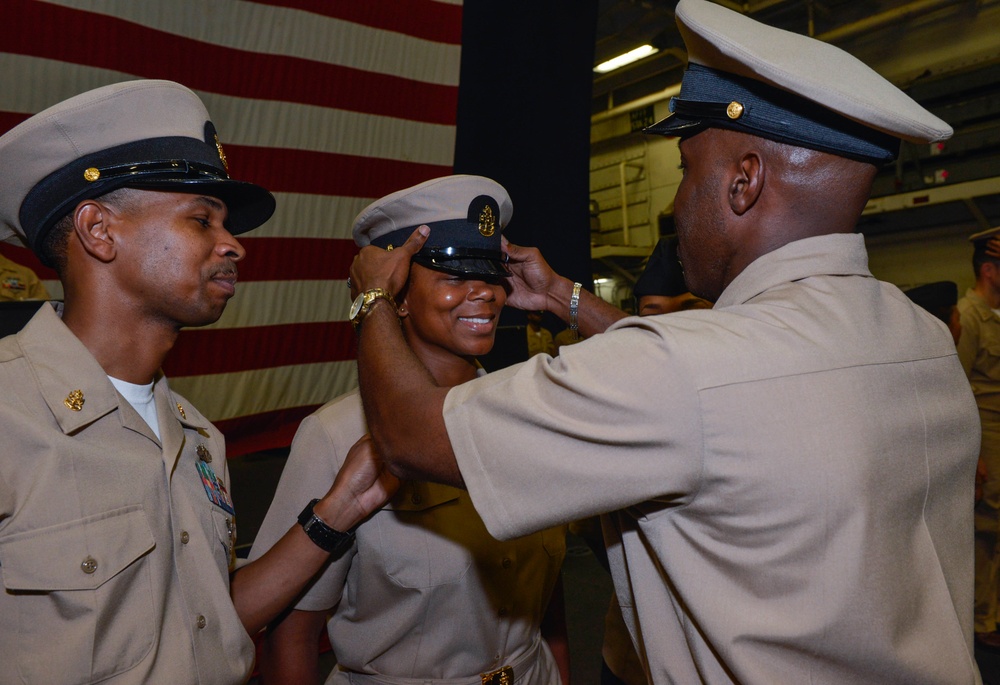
(143, 134)
(747, 76)
(466, 214)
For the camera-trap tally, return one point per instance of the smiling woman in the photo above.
(440, 598)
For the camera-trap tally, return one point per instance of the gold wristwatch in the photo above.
(363, 304)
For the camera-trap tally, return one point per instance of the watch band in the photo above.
(574, 306)
(325, 537)
(364, 302)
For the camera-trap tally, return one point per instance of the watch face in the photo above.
(359, 302)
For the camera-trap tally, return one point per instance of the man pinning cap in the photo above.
(788, 470)
(117, 527)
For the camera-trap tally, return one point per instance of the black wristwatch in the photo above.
(325, 537)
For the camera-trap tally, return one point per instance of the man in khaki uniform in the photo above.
(979, 352)
(791, 471)
(116, 522)
(18, 282)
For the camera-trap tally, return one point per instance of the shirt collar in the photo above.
(836, 254)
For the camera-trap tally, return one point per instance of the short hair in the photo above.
(55, 246)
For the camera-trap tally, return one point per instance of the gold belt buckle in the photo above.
(503, 676)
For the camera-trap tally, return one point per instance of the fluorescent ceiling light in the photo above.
(627, 58)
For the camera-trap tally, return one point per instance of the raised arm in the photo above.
(403, 404)
(535, 286)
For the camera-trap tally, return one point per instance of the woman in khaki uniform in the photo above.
(425, 594)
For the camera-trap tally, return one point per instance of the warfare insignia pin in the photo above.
(204, 454)
(74, 400)
(222, 153)
(487, 222)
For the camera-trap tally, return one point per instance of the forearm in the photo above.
(289, 652)
(264, 588)
(403, 405)
(594, 315)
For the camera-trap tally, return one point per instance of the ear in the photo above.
(747, 184)
(91, 225)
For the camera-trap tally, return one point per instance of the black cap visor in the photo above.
(249, 205)
(485, 265)
(714, 99)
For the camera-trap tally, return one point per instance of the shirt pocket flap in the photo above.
(414, 496)
(79, 555)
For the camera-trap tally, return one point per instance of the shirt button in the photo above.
(184, 537)
(502, 612)
(416, 498)
(89, 565)
(200, 621)
(506, 562)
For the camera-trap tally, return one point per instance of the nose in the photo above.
(229, 246)
(481, 290)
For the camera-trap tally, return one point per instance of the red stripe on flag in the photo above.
(9, 120)
(135, 49)
(201, 351)
(296, 259)
(268, 259)
(26, 257)
(283, 170)
(264, 431)
(434, 21)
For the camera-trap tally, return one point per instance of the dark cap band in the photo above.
(171, 163)
(710, 98)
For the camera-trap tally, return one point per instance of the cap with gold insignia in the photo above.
(139, 134)
(466, 215)
(747, 76)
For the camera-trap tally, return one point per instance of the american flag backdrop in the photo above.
(327, 103)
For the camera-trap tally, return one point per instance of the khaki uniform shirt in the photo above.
(114, 561)
(979, 350)
(540, 341)
(18, 282)
(794, 473)
(425, 592)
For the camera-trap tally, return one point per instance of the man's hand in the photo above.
(387, 269)
(363, 484)
(993, 248)
(532, 278)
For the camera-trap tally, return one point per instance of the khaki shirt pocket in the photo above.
(78, 598)
(421, 541)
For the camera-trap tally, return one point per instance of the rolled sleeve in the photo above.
(611, 422)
